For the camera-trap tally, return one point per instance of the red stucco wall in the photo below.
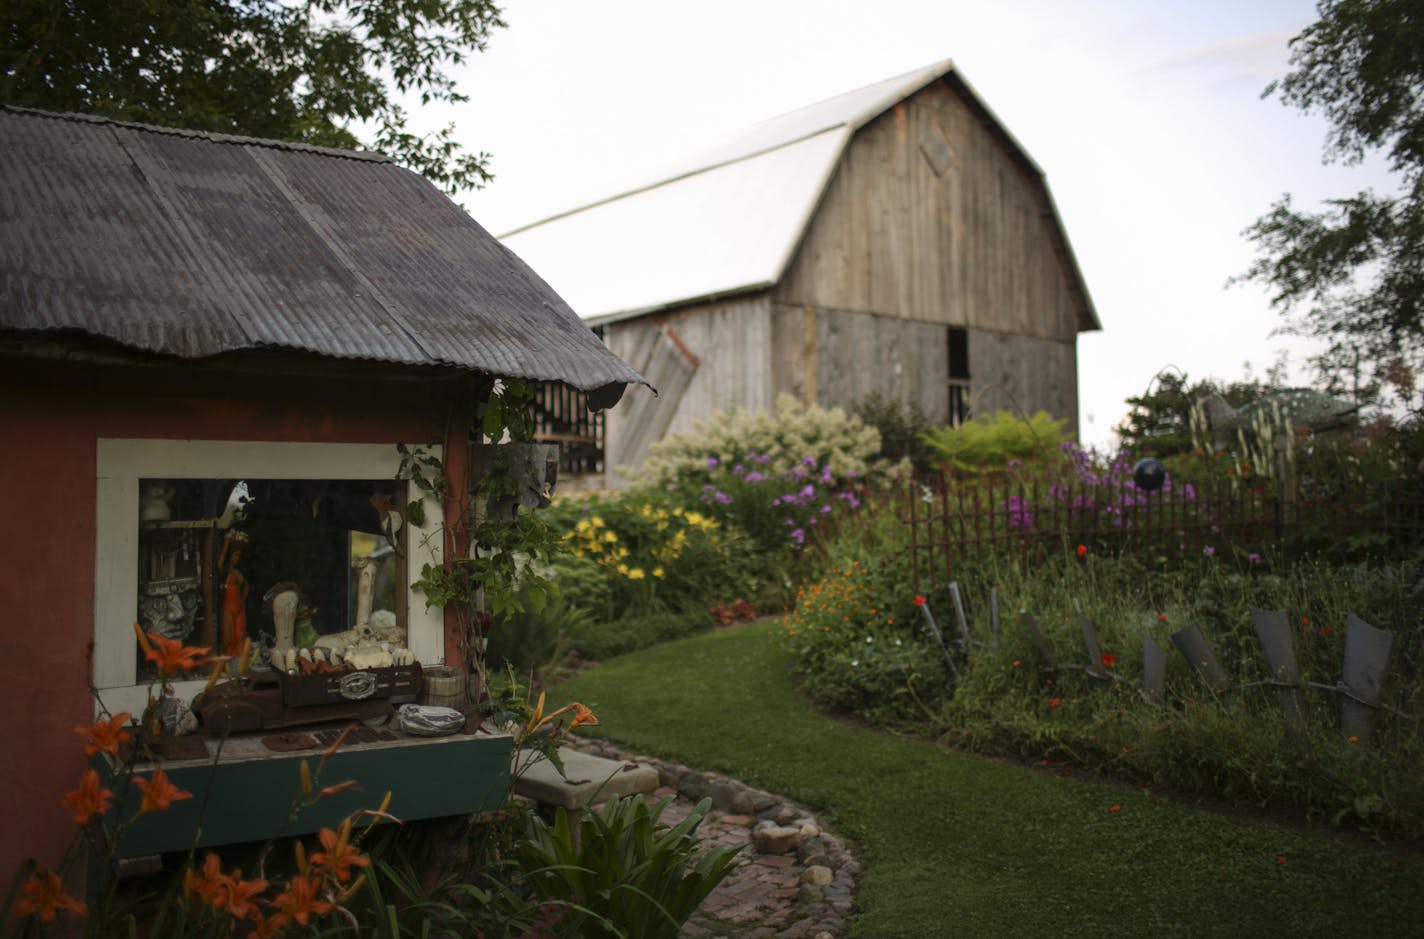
(51, 415)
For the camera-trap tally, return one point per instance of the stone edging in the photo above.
(798, 881)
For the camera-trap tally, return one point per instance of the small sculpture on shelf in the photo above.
(235, 588)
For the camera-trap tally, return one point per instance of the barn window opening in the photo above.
(958, 377)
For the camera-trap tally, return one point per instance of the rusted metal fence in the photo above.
(954, 522)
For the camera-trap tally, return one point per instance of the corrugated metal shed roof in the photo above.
(193, 245)
(729, 221)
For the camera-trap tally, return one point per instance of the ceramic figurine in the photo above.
(234, 605)
(284, 599)
(153, 502)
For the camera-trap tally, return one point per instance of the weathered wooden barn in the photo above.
(184, 316)
(895, 239)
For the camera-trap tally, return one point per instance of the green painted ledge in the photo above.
(244, 792)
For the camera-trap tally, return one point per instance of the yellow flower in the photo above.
(622, 552)
(636, 574)
(597, 522)
(657, 572)
(623, 569)
(694, 518)
(610, 536)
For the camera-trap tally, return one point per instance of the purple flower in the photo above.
(826, 475)
(754, 477)
(808, 493)
(1254, 558)
(850, 499)
(798, 536)
(808, 461)
(722, 497)
(711, 462)
(1208, 550)
(826, 509)
(737, 470)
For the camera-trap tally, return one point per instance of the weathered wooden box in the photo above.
(355, 685)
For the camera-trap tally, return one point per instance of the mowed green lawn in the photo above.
(958, 845)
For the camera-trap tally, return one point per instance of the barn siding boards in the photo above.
(859, 355)
(1023, 374)
(732, 343)
(974, 246)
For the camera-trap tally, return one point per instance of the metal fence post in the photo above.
(1277, 638)
(1366, 656)
(1194, 647)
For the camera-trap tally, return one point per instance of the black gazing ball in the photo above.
(1149, 474)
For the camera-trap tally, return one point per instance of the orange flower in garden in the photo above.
(1162, 617)
(1115, 808)
(158, 792)
(299, 901)
(1082, 550)
(583, 715)
(211, 885)
(919, 600)
(1109, 659)
(340, 855)
(107, 735)
(44, 895)
(266, 927)
(90, 799)
(241, 894)
(1053, 702)
(170, 655)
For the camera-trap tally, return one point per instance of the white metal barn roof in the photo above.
(729, 223)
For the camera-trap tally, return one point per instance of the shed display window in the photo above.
(214, 542)
(277, 562)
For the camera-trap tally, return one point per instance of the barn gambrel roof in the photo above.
(196, 245)
(731, 222)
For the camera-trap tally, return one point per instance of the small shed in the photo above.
(894, 240)
(194, 326)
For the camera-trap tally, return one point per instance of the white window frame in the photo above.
(122, 462)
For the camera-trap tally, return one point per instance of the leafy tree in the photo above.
(1160, 420)
(1353, 275)
(325, 72)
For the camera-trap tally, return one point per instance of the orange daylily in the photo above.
(299, 900)
(582, 715)
(211, 885)
(266, 927)
(170, 655)
(158, 792)
(340, 855)
(107, 735)
(90, 799)
(241, 894)
(44, 896)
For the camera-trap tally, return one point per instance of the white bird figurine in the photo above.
(391, 520)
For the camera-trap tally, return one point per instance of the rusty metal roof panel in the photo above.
(193, 245)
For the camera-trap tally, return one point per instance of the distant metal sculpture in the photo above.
(1149, 474)
(1301, 407)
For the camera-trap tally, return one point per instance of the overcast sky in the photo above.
(1145, 115)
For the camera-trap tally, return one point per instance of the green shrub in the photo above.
(600, 640)
(990, 441)
(902, 426)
